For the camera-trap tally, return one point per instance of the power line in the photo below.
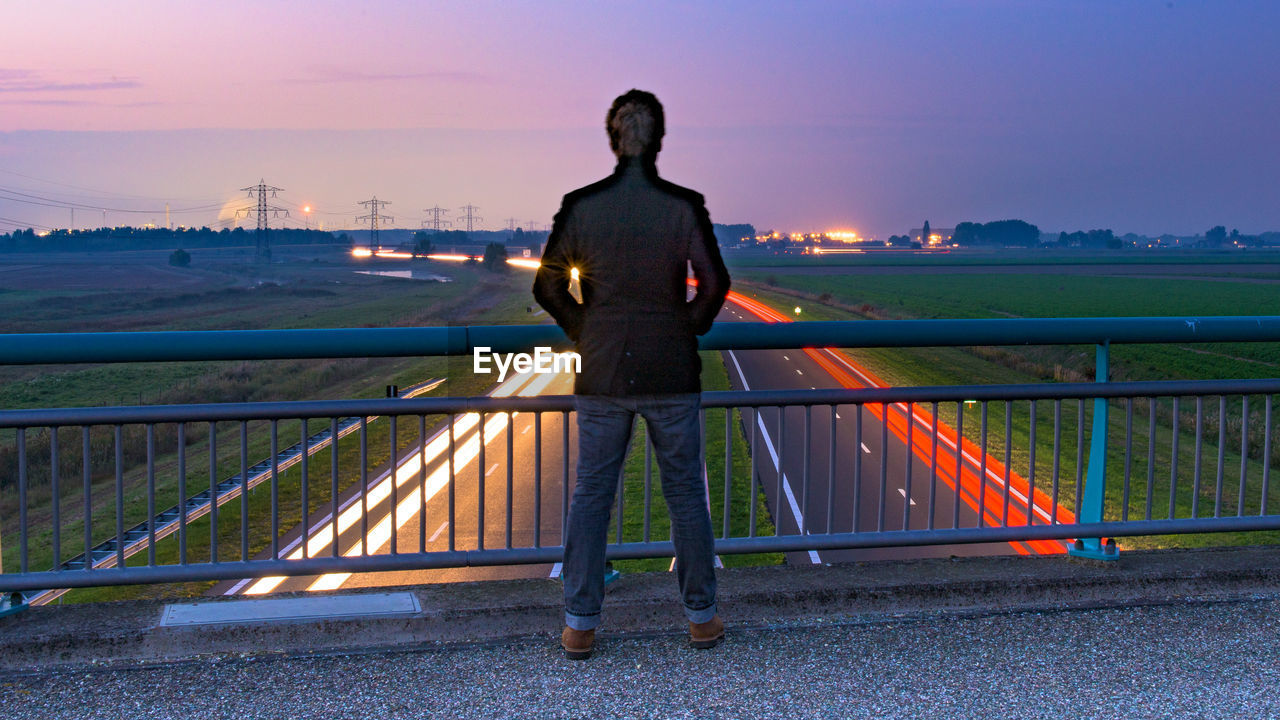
(373, 217)
(95, 191)
(263, 246)
(436, 220)
(69, 204)
(21, 224)
(470, 216)
(511, 224)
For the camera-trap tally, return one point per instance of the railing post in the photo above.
(11, 602)
(1089, 507)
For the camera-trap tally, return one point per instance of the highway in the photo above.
(869, 466)
(413, 494)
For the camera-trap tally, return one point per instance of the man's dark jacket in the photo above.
(632, 237)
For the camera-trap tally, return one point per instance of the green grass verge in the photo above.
(714, 377)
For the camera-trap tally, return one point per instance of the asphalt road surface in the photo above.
(426, 485)
(877, 483)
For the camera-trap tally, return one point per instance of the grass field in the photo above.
(830, 297)
(972, 257)
(636, 482)
(939, 295)
(324, 297)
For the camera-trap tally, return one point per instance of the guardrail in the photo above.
(51, 348)
(143, 535)
(924, 483)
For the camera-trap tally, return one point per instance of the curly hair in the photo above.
(635, 124)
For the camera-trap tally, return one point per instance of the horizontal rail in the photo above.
(292, 410)
(624, 551)
(831, 471)
(61, 348)
(169, 521)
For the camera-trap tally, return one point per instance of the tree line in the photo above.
(1003, 233)
(1019, 233)
(131, 238)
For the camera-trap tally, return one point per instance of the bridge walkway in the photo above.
(1157, 634)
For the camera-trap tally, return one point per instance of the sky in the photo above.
(1135, 115)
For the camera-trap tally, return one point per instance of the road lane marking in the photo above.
(866, 449)
(903, 493)
(1032, 506)
(555, 570)
(381, 489)
(526, 429)
(786, 484)
(489, 472)
(321, 534)
(380, 534)
(915, 417)
(439, 530)
(975, 463)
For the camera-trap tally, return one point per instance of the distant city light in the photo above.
(827, 237)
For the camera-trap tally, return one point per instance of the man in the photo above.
(630, 239)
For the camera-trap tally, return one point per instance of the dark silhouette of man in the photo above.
(632, 238)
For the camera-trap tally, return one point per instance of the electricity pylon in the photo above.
(373, 217)
(436, 219)
(263, 253)
(470, 215)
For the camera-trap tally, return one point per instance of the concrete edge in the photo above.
(129, 634)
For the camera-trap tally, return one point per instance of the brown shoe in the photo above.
(706, 635)
(577, 643)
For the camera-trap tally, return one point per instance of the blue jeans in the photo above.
(604, 432)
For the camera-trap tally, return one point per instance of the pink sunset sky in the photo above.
(1140, 116)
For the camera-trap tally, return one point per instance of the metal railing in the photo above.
(820, 471)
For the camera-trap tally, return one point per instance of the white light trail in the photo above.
(321, 534)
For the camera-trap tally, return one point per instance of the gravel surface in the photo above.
(1193, 659)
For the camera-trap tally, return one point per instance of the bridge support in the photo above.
(1089, 507)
